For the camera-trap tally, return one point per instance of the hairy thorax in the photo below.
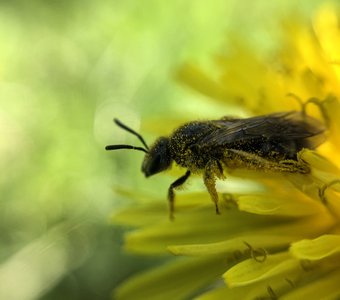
(186, 149)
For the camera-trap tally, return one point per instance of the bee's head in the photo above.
(158, 158)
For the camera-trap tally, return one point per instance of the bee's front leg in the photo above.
(209, 179)
(171, 193)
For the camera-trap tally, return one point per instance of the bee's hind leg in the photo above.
(209, 178)
(254, 162)
(295, 166)
(292, 166)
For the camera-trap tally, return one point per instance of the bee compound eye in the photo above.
(155, 163)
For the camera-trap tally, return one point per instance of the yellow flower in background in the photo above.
(279, 241)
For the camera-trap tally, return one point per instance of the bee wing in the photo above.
(287, 126)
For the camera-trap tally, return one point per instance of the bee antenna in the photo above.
(123, 126)
(116, 147)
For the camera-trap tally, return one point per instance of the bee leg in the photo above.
(255, 162)
(293, 166)
(171, 193)
(220, 170)
(319, 103)
(209, 181)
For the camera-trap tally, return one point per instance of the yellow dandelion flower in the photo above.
(278, 241)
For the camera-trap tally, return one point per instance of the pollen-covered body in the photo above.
(185, 146)
(269, 143)
(253, 143)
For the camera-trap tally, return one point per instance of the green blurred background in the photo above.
(66, 69)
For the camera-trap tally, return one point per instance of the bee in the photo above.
(266, 143)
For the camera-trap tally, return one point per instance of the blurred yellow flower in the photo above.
(280, 242)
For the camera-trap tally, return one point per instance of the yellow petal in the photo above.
(279, 204)
(234, 246)
(332, 108)
(191, 227)
(259, 88)
(174, 280)
(271, 288)
(151, 210)
(326, 26)
(250, 270)
(204, 226)
(321, 247)
(142, 215)
(325, 288)
(199, 81)
(223, 293)
(319, 164)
